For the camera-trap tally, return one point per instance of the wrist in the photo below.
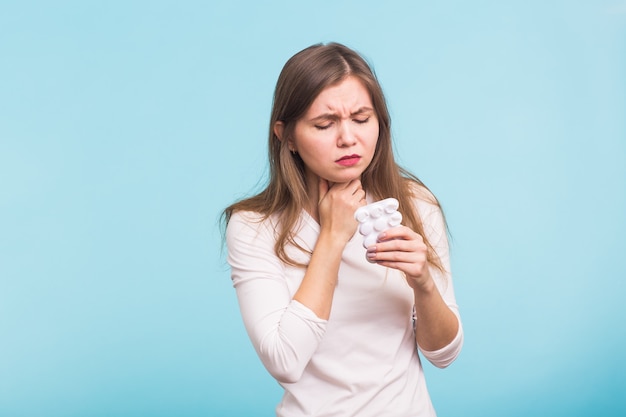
(334, 238)
(423, 285)
(331, 245)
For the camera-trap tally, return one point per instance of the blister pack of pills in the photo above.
(377, 217)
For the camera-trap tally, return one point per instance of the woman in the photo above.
(337, 325)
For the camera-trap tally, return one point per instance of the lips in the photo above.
(348, 160)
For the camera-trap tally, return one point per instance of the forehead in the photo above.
(348, 95)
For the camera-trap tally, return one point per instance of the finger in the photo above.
(399, 246)
(398, 249)
(361, 196)
(407, 258)
(399, 232)
(355, 185)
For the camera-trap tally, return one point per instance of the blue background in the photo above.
(127, 126)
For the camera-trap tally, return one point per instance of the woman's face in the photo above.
(336, 138)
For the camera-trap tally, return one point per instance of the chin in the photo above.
(344, 178)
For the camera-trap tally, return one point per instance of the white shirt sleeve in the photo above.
(284, 332)
(435, 231)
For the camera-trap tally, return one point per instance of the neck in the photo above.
(313, 192)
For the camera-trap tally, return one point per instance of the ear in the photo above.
(279, 131)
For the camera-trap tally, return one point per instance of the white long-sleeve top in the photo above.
(363, 360)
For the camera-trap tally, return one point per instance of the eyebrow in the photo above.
(326, 116)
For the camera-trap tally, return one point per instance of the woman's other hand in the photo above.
(403, 249)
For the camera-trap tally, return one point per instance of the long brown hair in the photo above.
(302, 79)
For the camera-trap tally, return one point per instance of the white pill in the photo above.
(377, 217)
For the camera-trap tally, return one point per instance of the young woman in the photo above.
(339, 326)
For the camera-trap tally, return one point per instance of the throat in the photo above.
(313, 211)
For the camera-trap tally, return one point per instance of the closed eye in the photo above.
(362, 121)
(323, 127)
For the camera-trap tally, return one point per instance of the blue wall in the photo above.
(126, 126)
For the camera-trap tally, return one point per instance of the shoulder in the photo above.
(249, 224)
(246, 217)
(423, 199)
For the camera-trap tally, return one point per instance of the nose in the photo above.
(347, 137)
